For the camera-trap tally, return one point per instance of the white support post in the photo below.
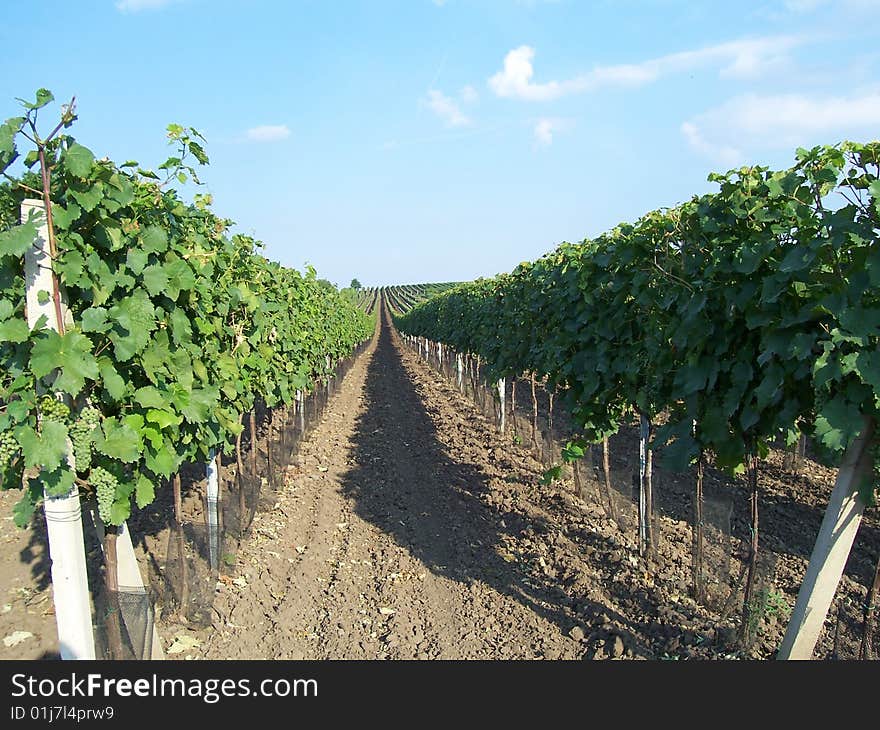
(300, 410)
(458, 365)
(502, 395)
(833, 544)
(644, 432)
(70, 588)
(213, 521)
(440, 354)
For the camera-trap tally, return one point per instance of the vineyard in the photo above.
(399, 299)
(658, 443)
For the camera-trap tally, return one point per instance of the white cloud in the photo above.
(723, 154)
(135, 6)
(514, 81)
(469, 94)
(783, 121)
(546, 128)
(800, 7)
(446, 108)
(746, 58)
(268, 133)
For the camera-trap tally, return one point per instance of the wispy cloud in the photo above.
(268, 133)
(754, 122)
(746, 58)
(800, 7)
(446, 108)
(546, 128)
(136, 6)
(469, 94)
(720, 153)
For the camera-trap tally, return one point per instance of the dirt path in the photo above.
(380, 546)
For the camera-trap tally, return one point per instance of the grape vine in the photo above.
(175, 329)
(751, 311)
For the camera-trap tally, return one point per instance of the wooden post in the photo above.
(253, 425)
(70, 589)
(606, 469)
(181, 546)
(836, 535)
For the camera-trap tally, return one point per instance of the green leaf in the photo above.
(180, 277)
(135, 319)
(551, 475)
(150, 397)
(46, 449)
(155, 279)
(163, 419)
(71, 353)
(119, 441)
(120, 511)
(154, 239)
(23, 510)
(17, 240)
(94, 319)
(88, 198)
(144, 492)
(838, 422)
(136, 259)
(79, 160)
(572, 452)
(868, 491)
(113, 382)
(57, 481)
(14, 330)
(43, 96)
(62, 217)
(162, 461)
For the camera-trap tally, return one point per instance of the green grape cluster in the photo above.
(81, 436)
(105, 490)
(8, 448)
(53, 410)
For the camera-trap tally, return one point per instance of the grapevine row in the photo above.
(176, 328)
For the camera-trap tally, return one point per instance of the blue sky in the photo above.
(404, 141)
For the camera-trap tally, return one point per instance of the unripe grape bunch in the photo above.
(81, 437)
(53, 410)
(8, 448)
(104, 484)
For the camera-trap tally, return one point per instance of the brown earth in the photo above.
(408, 528)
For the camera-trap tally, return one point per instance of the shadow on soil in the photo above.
(406, 483)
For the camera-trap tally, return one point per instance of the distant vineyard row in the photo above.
(399, 298)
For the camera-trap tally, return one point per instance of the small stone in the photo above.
(615, 647)
(577, 633)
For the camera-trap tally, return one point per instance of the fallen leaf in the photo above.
(182, 643)
(16, 637)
